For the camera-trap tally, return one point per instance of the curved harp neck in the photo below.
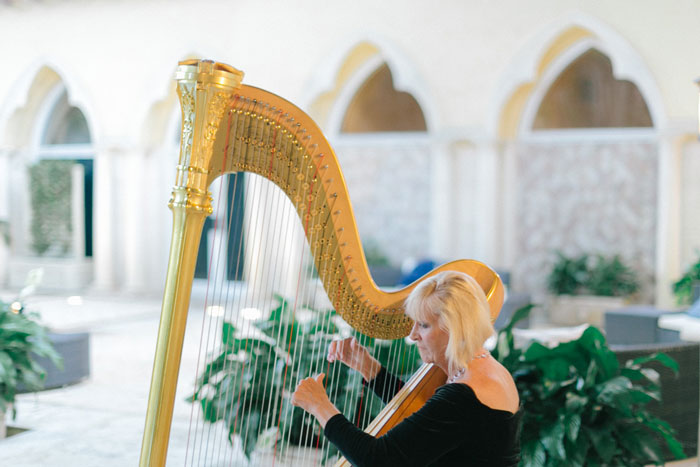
(242, 128)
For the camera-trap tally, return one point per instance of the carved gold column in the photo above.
(205, 89)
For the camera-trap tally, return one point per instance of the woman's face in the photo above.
(431, 341)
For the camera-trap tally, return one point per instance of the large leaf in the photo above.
(575, 402)
(610, 391)
(7, 370)
(594, 342)
(662, 427)
(603, 442)
(660, 357)
(640, 442)
(552, 438)
(572, 425)
(578, 388)
(534, 454)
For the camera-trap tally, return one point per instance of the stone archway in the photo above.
(378, 119)
(588, 183)
(52, 141)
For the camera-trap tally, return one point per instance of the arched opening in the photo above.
(64, 154)
(587, 95)
(378, 107)
(66, 124)
(51, 194)
(585, 168)
(379, 130)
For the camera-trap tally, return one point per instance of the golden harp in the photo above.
(228, 128)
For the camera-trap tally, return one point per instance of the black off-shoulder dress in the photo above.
(452, 429)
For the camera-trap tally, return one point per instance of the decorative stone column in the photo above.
(440, 201)
(490, 191)
(104, 251)
(136, 225)
(668, 228)
(4, 216)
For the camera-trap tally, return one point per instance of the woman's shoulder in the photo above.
(493, 387)
(464, 395)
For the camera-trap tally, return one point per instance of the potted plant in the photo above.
(261, 375)
(568, 274)
(580, 407)
(584, 287)
(685, 288)
(22, 339)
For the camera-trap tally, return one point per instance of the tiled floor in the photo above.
(99, 422)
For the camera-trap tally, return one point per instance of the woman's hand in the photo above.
(311, 396)
(354, 355)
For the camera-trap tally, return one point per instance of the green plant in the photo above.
(50, 192)
(21, 339)
(248, 383)
(374, 254)
(611, 278)
(568, 274)
(5, 231)
(599, 276)
(683, 288)
(580, 407)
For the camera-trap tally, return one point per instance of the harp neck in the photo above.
(229, 127)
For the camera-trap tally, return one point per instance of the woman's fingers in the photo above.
(331, 352)
(319, 378)
(308, 391)
(336, 350)
(348, 351)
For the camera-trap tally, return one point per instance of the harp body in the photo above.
(229, 127)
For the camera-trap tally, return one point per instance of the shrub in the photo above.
(683, 288)
(21, 339)
(581, 407)
(600, 276)
(611, 278)
(568, 274)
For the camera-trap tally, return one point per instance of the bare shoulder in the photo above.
(493, 386)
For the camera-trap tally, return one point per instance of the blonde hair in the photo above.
(460, 306)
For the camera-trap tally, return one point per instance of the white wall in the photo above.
(463, 57)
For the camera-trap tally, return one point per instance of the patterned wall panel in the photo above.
(583, 197)
(690, 206)
(390, 190)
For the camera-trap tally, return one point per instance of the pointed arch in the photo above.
(30, 97)
(543, 58)
(379, 107)
(331, 92)
(349, 67)
(587, 95)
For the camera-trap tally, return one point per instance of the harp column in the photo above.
(205, 89)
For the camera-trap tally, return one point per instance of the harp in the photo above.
(227, 128)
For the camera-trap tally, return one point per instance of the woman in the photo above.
(473, 419)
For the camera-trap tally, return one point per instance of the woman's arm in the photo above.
(311, 396)
(356, 356)
(385, 385)
(437, 428)
(353, 354)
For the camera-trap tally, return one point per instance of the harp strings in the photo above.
(199, 433)
(270, 226)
